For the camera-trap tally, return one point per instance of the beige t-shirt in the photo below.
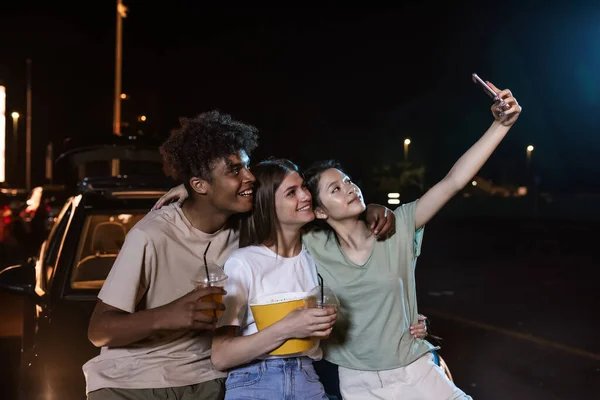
(160, 256)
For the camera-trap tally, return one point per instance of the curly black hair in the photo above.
(191, 150)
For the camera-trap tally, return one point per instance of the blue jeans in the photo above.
(280, 378)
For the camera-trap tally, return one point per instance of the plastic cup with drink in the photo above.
(322, 296)
(211, 275)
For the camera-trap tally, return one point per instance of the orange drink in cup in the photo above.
(216, 278)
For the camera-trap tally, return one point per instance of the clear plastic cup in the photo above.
(322, 296)
(216, 278)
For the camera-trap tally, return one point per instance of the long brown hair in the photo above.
(261, 225)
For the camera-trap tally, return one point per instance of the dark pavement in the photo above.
(515, 303)
(9, 350)
(516, 306)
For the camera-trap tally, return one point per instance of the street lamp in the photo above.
(529, 149)
(531, 180)
(121, 13)
(406, 143)
(15, 117)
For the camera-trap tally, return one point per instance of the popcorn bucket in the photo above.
(269, 309)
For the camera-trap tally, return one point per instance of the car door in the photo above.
(37, 312)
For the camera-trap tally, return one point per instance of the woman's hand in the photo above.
(178, 194)
(307, 322)
(506, 110)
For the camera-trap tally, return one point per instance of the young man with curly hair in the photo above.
(155, 339)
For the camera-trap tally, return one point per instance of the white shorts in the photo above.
(421, 380)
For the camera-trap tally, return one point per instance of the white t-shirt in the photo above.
(255, 271)
(160, 256)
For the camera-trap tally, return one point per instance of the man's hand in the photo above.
(419, 330)
(111, 326)
(189, 311)
(381, 221)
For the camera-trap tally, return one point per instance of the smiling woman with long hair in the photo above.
(271, 260)
(372, 343)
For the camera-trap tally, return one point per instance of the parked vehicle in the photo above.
(60, 285)
(11, 202)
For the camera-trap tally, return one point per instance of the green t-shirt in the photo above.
(378, 300)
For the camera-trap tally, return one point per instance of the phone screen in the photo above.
(488, 90)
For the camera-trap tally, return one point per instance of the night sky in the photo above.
(324, 82)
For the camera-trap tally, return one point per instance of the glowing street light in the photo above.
(121, 13)
(406, 144)
(529, 149)
(15, 117)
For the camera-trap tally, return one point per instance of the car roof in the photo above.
(124, 151)
(115, 191)
(98, 202)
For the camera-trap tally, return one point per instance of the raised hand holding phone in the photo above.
(505, 109)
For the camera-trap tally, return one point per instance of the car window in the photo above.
(54, 245)
(101, 240)
(51, 248)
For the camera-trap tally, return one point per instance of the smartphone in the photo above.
(488, 90)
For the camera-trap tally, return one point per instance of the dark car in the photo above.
(12, 201)
(60, 286)
(12, 232)
(40, 212)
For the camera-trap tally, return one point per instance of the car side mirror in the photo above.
(19, 279)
